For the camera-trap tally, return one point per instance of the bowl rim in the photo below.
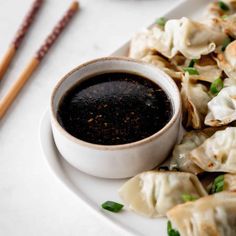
(158, 134)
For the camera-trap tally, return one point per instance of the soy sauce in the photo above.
(114, 108)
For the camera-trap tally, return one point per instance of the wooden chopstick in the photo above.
(35, 61)
(22, 31)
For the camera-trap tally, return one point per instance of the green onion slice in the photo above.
(226, 42)
(191, 70)
(161, 21)
(112, 206)
(223, 6)
(171, 231)
(216, 86)
(189, 198)
(218, 184)
(192, 63)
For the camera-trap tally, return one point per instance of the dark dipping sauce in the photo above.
(114, 108)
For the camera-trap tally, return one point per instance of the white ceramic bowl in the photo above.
(116, 161)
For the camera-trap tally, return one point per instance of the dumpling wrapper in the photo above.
(227, 60)
(215, 11)
(229, 182)
(195, 98)
(188, 37)
(217, 153)
(226, 24)
(229, 82)
(153, 193)
(222, 108)
(180, 155)
(164, 65)
(207, 73)
(139, 45)
(213, 215)
(206, 66)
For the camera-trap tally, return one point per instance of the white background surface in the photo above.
(32, 201)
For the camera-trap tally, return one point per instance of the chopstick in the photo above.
(36, 60)
(22, 31)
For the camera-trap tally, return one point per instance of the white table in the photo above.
(32, 201)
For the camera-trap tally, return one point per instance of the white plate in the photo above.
(94, 191)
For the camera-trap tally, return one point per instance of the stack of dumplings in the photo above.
(201, 58)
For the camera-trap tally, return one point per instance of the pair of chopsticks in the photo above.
(8, 99)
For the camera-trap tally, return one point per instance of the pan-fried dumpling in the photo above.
(164, 65)
(180, 155)
(195, 98)
(228, 25)
(229, 82)
(217, 153)
(213, 215)
(222, 108)
(163, 41)
(206, 66)
(227, 60)
(229, 182)
(194, 39)
(139, 46)
(191, 38)
(206, 73)
(215, 11)
(153, 193)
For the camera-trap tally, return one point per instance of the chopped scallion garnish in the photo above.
(171, 231)
(223, 6)
(226, 42)
(161, 21)
(191, 70)
(216, 86)
(192, 63)
(218, 184)
(189, 198)
(112, 206)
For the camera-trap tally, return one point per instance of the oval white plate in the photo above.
(94, 191)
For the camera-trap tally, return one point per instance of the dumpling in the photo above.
(228, 25)
(195, 98)
(164, 65)
(214, 9)
(229, 82)
(208, 73)
(229, 182)
(217, 153)
(207, 68)
(180, 155)
(191, 38)
(213, 215)
(222, 108)
(194, 39)
(139, 46)
(188, 37)
(153, 193)
(227, 60)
